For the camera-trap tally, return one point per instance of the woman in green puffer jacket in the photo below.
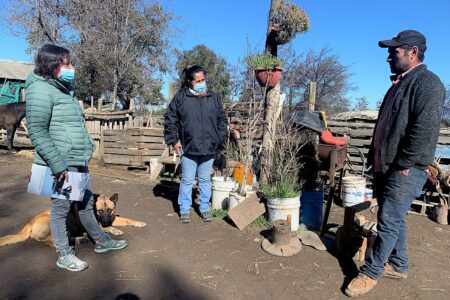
(56, 128)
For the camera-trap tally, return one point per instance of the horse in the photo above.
(10, 117)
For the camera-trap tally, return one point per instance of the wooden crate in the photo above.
(132, 147)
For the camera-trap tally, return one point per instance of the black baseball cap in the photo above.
(407, 37)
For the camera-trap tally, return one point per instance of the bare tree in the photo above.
(446, 113)
(361, 104)
(324, 68)
(40, 21)
(120, 46)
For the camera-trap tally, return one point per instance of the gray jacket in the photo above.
(412, 128)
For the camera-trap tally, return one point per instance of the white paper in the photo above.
(43, 183)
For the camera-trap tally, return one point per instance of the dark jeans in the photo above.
(395, 194)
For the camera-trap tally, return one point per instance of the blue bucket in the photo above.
(311, 205)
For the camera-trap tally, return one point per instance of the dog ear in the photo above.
(114, 198)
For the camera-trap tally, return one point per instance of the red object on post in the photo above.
(328, 138)
(264, 74)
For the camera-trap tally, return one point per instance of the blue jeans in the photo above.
(395, 194)
(59, 210)
(190, 166)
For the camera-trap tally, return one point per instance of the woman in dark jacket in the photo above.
(196, 126)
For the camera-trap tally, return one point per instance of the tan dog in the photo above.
(38, 228)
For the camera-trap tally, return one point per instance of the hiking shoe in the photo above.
(184, 218)
(390, 272)
(207, 216)
(360, 285)
(109, 244)
(71, 262)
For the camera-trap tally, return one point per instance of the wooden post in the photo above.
(312, 95)
(271, 105)
(101, 151)
(271, 46)
(132, 104)
(92, 102)
(100, 104)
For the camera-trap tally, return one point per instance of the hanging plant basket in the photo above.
(272, 75)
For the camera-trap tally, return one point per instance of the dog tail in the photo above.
(21, 236)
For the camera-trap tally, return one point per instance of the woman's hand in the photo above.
(178, 148)
(64, 175)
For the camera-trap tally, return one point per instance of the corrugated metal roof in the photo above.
(15, 69)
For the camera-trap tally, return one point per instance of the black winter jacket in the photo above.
(199, 124)
(412, 128)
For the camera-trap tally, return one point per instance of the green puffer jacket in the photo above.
(55, 124)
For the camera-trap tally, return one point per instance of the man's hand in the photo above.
(404, 172)
(178, 148)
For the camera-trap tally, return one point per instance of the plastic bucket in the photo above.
(353, 190)
(280, 208)
(311, 209)
(368, 194)
(234, 200)
(221, 189)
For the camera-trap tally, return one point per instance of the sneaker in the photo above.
(389, 271)
(71, 262)
(360, 285)
(184, 218)
(206, 216)
(109, 244)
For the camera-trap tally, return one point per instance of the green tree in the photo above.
(216, 68)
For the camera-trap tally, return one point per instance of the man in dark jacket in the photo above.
(196, 126)
(403, 145)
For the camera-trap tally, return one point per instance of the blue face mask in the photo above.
(67, 75)
(200, 87)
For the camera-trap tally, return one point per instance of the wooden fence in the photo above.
(360, 134)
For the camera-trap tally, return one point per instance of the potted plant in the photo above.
(282, 200)
(283, 186)
(267, 69)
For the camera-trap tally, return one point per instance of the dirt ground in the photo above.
(168, 260)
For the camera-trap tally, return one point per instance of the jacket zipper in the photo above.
(203, 131)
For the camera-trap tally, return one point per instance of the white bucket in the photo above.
(234, 200)
(353, 190)
(280, 208)
(220, 191)
(368, 194)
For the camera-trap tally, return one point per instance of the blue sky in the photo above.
(351, 28)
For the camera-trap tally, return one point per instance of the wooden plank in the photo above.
(444, 140)
(353, 132)
(360, 142)
(169, 160)
(153, 132)
(332, 123)
(247, 211)
(126, 132)
(133, 139)
(123, 160)
(135, 152)
(152, 146)
(157, 169)
(354, 152)
(125, 145)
